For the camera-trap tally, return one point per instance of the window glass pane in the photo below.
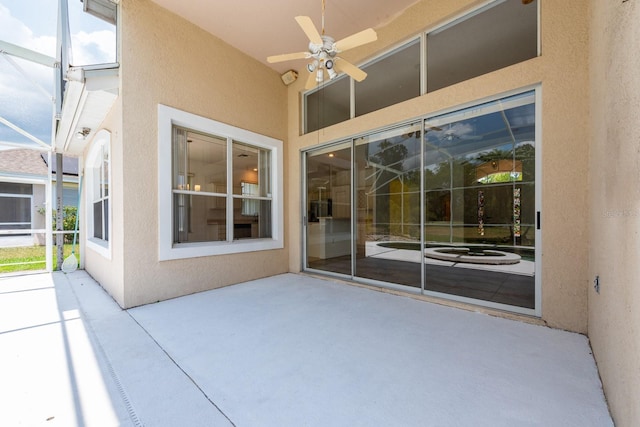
(501, 35)
(105, 171)
(199, 218)
(15, 188)
(203, 166)
(390, 80)
(328, 105)
(388, 206)
(328, 209)
(480, 202)
(15, 212)
(97, 220)
(96, 182)
(105, 216)
(256, 223)
(245, 167)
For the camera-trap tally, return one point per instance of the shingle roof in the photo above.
(25, 161)
(69, 164)
(22, 161)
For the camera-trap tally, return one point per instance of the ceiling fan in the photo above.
(323, 49)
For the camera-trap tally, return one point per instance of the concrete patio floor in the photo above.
(289, 350)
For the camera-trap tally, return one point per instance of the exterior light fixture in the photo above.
(82, 134)
(289, 77)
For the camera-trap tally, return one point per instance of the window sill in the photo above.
(203, 249)
(99, 246)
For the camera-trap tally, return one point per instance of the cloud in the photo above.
(97, 47)
(21, 102)
(14, 31)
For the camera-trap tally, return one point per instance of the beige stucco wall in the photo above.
(167, 60)
(614, 313)
(562, 70)
(109, 272)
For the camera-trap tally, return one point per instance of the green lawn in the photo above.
(28, 258)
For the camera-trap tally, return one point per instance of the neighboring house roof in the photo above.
(22, 161)
(69, 164)
(32, 162)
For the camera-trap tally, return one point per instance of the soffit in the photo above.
(262, 28)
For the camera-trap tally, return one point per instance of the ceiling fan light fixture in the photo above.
(311, 66)
(323, 50)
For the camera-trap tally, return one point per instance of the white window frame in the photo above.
(94, 158)
(167, 250)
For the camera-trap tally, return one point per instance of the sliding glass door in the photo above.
(328, 209)
(445, 206)
(387, 207)
(479, 202)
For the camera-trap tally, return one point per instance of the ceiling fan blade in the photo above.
(311, 81)
(357, 39)
(287, 57)
(309, 29)
(350, 69)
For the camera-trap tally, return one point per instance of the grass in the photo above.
(27, 258)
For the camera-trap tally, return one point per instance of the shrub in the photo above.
(68, 221)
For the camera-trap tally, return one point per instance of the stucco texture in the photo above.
(109, 271)
(167, 60)
(562, 72)
(614, 312)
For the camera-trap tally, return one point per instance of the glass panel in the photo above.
(15, 213)
(328, 105)
(15, 188)
(480, 202)
(199, 164)
(105, 216)
(206, 164)
(96, 181)
(329, 209)
(251, 165)
(105, 171)
(178, 161)
(390, 80)
(255, 224)
(97, 220)
(198, 218)
(502, 34)
(388, 206)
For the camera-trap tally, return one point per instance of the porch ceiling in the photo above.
(261, 28)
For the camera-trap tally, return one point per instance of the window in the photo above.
(224, 190)
(97, 174)
(15, 206)
(390, 80)
(327, 105)
(499, 34)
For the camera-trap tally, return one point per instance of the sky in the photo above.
(32, 24)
